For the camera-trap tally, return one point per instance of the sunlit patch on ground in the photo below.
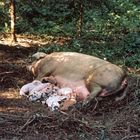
(12, 109)
(30, 41)
(9, 95)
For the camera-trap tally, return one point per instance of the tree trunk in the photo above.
(80, 20)
(13, 20)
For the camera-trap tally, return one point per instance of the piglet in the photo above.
(26, 89)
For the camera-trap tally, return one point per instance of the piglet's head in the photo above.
(27, 88)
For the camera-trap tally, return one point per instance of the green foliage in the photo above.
(126, 55)
(132, 48)
(110, 28)
(48, 17)
(4, 19)
(125, 20)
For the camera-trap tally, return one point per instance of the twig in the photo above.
(133, 136)
(29, 121)
(11, 116)
(8, 72)
(12, 133)
(95, 105)
(64, 113)
(78, 121)
(137, 83)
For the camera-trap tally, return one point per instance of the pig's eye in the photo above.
(60, 102)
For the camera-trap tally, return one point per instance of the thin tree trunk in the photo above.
(13, 20)
(80, 21)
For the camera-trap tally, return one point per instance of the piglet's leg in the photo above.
(95, 90)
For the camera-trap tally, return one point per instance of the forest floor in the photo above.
(20, 119)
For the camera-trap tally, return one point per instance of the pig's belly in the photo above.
(78, 87)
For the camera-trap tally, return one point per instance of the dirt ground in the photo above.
(22, 120)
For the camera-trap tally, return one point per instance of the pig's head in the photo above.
(35, 96)
(35, 59)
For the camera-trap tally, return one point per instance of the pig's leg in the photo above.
(95, 90)
(120, 92)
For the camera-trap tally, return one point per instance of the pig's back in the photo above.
(75, 65)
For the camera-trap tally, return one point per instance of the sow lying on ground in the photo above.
(86, 75)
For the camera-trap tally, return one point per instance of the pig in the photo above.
(86, 75)
(26, 89)
(61, 100)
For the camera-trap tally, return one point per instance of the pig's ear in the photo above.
(38, 56)
(31, 69)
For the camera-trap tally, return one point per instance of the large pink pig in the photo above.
(86, 75)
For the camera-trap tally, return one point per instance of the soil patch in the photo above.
(20, 119)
